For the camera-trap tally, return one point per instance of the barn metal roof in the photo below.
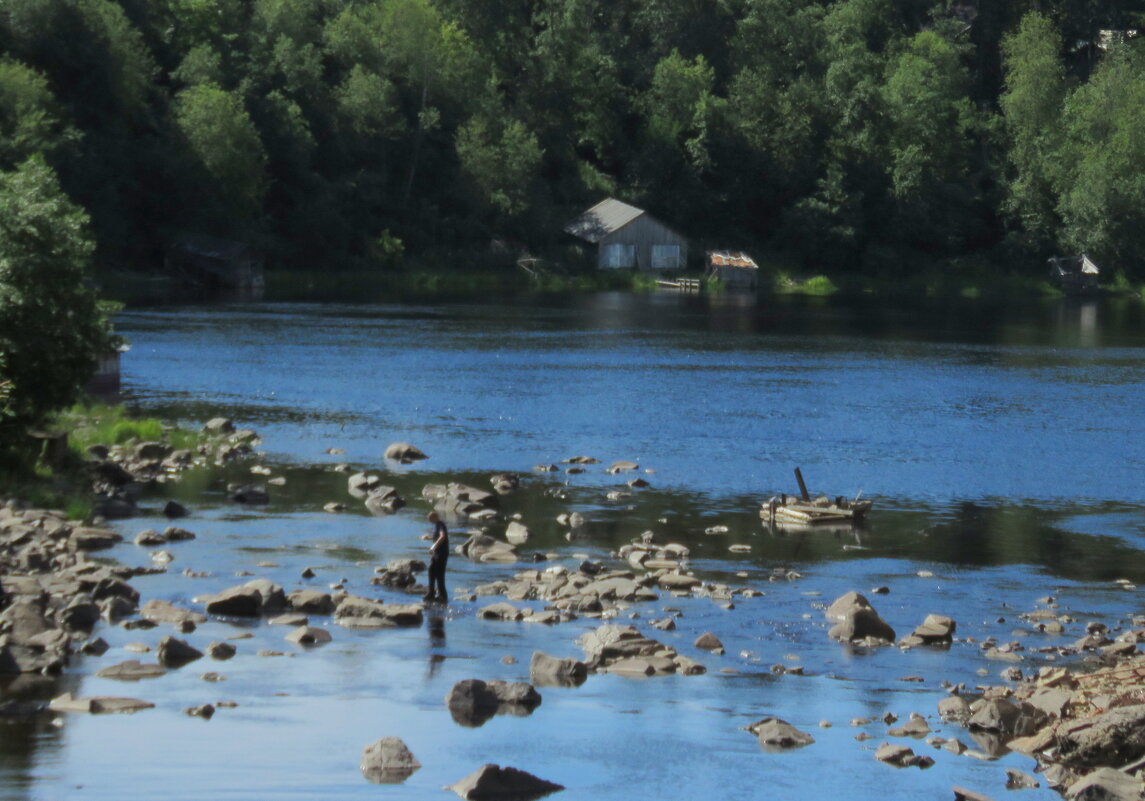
(603, 219)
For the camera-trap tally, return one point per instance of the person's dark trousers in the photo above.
(437, 578)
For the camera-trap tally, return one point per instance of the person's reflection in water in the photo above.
(435, 623)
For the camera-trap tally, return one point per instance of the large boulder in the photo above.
(857, 621)
(311, 602)
(172, 652)
(1106, 784)
(388, 761)
(1115, 737)
(483, 548)
(490, 782)
(551, 671)
(256, 597)
(472, 702)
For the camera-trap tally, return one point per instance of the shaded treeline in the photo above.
(853, 135)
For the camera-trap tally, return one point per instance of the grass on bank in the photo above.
(61, 483)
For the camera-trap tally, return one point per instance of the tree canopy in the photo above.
(51, 324)
(862, 135)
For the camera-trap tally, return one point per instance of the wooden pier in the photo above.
(682, 284)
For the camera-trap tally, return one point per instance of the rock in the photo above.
(962, 794)
(901, 757)
(251, 494)
(1113, 737)
(774, 733)
(551, 671)
(219, 425)
(954, 708)
(310, 602)
(388, 761)
(357, 612)
(384, 501)
(175, 534)
(149, 537)
(158, 611)
(1106, 784)
(98, 705)
(309, 635)
(93, 539)
(361, 484)
(252, 599)
(204, 711)
(174, 509)
(173, 652)
(517, 533)
(994, 715)
(494, 782)
(404, 452)
(934, 630)
(221, 650)
(96, 647)
(708, 642)
(501, 611)
(678, 581)
(483, 548)
(915, 727)
(857, 620)
(1017, 780)
(132, 670)
(471, 703)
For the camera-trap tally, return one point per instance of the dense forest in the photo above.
(853, 135)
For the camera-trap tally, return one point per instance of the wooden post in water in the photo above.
(802, 487)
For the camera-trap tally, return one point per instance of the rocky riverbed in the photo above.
(1077, 711)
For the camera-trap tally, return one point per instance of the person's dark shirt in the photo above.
(439, 549)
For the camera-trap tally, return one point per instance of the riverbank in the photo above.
(935, 282)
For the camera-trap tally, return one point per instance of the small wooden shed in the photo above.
(735, 269)
(629, 238)
(1076, 275)
(217, 265)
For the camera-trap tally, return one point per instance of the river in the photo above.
(999, 444)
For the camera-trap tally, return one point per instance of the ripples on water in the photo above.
(997, 445)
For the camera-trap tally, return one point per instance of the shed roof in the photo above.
(727, 258)
(603, 219)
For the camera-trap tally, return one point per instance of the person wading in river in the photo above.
(438, 556)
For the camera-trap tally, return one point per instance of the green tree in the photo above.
(51, 325)
(501, 159)
(1101, 186)
(30, 118)
(225, 143)
(1031, 103)
(930, 127)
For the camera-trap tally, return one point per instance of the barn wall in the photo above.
(643, 233)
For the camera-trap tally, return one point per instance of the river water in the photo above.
(999, 443)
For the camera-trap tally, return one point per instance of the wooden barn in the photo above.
(629, 238)
(736, 270)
